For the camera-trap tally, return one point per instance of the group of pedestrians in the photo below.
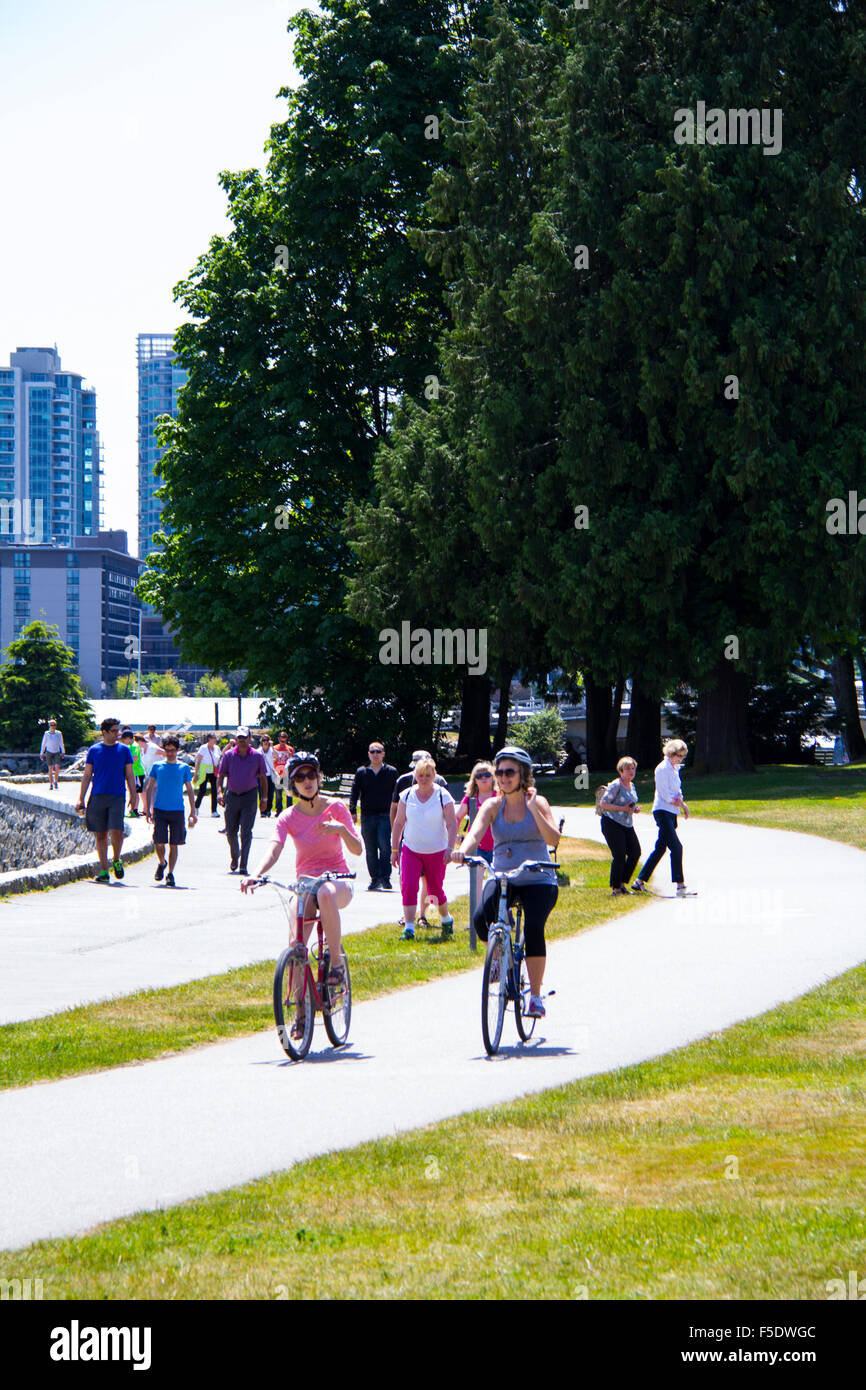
(618, 804)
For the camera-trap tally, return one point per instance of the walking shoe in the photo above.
(117, 866)
(160, 872)
(214, 815)
(447, 927)
(618, 893)
(373, 886)
(169, 881)
(244, 871)
(407, 934)
(386, 884)
(132, 815)
(536, 1007)
(234, 867)
(102, 877)
(422, 921)
(684, 892)
(336, 979)
(639, 886)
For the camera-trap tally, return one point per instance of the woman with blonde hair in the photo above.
(617, 808)
(426, 824)
(667, 804)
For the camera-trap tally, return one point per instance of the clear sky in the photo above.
(115, 121)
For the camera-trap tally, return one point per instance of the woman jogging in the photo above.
(617, 807)
(319, 827)
(667, 804)
(523, 828)
(427, 826)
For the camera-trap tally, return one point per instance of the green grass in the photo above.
(731, 1168)
(824, 801)
(155, 1023)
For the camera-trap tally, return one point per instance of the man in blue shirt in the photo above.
(108, 766)
(163, 805)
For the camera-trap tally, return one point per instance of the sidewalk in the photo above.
(777, 915)
(84, 942)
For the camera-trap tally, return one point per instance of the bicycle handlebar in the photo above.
(536, 865)
(306, 883)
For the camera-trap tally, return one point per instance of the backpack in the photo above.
(599, 797)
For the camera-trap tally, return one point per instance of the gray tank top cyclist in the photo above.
(515, 843)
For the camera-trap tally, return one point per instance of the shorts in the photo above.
(104, 813)
(54, 759)
(169, 827)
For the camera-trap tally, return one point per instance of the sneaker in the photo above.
(639, 886)
(336, 978)
(447, 927)
(102, 877)
(407, 934)
(619, 892)
(684, 892)
(536, 1007)
(214, 815)
(386, 885)
(117, 866)
(169, 881)
(160, 873)
(234, 867)
(132, 815)
(373, 886)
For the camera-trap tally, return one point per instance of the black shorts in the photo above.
(169, 827)
(104, 813)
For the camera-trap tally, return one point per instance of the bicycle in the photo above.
(298, 993)
(505, 978)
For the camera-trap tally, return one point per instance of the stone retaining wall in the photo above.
(45, 843)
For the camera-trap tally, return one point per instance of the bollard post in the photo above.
(473, 894)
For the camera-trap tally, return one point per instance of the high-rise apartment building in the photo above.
(159, 380)
(50, 461)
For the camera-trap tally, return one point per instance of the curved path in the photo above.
(777, 914)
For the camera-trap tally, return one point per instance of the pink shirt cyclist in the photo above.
(319, 828)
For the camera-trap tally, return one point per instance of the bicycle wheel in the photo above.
(493, 992)
(294, 1004)
(337, 1010)
(525, 1025)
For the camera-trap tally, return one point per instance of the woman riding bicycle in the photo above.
(317, 825)
(523, 827)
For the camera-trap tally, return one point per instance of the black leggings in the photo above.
(538, 901)
(210, 782)
(625, 849)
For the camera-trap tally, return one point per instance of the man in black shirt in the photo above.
(374, 786)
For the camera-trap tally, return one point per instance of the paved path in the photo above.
(777, 915)
(85, 942)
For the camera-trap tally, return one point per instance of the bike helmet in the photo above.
(519, 755)
(299, 760)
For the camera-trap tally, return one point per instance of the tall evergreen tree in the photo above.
(38, 682)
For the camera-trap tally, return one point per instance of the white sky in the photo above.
(115, 121)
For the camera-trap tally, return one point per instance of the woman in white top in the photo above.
(207, 761)
(667, 804)
(427, 824)
(52, 752)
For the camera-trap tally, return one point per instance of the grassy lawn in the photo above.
(826, 801)
(731, 1169)
(154, 1023)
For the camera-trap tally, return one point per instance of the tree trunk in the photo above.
(599, 704)
(474, 738)
(611, 750)
(722, 742)
(505, 675)
(845, 695)
(644, 736)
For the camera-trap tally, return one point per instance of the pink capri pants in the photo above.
(432, 866)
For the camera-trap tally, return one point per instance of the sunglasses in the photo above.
(375, 750)
(506, 772)
(305, 777)
(485, 775)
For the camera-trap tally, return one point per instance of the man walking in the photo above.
(163, 805)
(108, 766)
(52, 752)
(374, 786)
(242, 771)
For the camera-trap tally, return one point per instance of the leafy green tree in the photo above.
(308, 322)
(163, 684)
(542, 735)
(38, 682)
(213, 686)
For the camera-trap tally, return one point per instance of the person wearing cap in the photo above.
(319, 826)
(523, 829)
(242, 772)
(52, 752)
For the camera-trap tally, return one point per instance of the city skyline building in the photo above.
(159, 380)
(50, 452)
